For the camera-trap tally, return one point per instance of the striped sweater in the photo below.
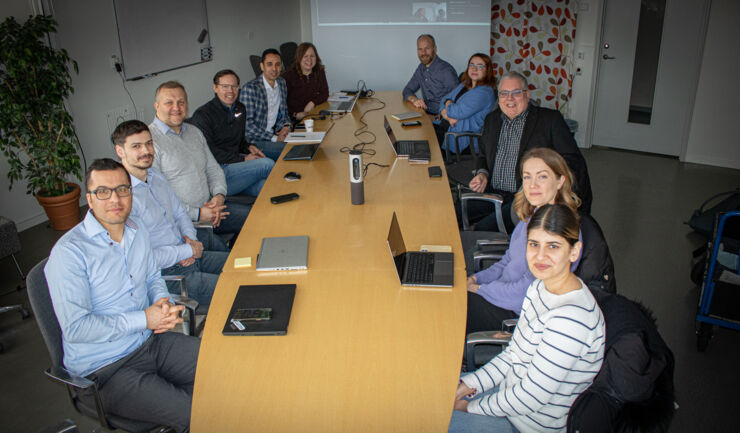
(555, 353)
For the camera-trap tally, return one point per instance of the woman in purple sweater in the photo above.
(497, 293)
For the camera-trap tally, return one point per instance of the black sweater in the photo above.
(224, 132)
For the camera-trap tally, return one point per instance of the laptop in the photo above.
(404, 148)
(305, 152)
(276, 297)
(283, 254)
(345, 106)
(416, 268)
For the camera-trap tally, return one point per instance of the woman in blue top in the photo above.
(467, 105)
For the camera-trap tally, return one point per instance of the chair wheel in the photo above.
(703, 335)
(24, 313)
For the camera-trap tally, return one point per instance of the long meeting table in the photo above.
(362, 353)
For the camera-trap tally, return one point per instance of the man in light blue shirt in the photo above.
(114, 310)
(177, 250)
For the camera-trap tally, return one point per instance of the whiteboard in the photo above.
(160, 35)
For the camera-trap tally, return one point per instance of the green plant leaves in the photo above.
(36, 132)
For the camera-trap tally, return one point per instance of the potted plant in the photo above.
(36, 132)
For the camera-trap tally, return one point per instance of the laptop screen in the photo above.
(397, 247)
(389, 131)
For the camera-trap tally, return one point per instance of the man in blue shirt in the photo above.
(114, 310)
(433, 76)
(177, 250)
(265, 97)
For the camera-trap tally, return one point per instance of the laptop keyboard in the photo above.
(420, 269)
(405, 147)
(344, 106)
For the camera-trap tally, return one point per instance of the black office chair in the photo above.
(255, 61)
(482, 248)
(287, 53)
(82, 392)
(9, 245)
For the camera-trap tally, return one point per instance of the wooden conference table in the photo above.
(362, 354)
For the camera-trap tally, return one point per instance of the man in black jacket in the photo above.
(511, 130)
(222, 123)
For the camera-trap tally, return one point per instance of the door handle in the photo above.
(605, 57)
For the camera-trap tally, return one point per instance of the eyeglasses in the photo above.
(104, 193)
(516, 94)
(478, 66)
(228, 87)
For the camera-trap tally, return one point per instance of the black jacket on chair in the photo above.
(543, 128)
(596, 267)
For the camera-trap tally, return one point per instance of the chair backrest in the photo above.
(38, 295)
(255, 61)
(287, 53)
(596, 267)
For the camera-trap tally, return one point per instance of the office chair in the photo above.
(82, 392)
(482, 248)
(255, 61)
(9, 245)
(287, 53)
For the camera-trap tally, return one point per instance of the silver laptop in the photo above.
(416, 268)
(346, 106)
(403, 148)
(283, 254)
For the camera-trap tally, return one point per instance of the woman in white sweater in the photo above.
(557, 347)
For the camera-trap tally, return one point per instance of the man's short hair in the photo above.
(514, 74)
(127, 129)
(104, 164)
(170, 85)
(428, 36)
(223, 73)
(269, 51)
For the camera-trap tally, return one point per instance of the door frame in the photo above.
(692, 90)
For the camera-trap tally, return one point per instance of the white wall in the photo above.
(87, 31)
(713, 137)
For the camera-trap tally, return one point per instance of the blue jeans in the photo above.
(247, 177)
(234, 222)
(210, 241)
(200, 277)
(271, 149)
(464, 422)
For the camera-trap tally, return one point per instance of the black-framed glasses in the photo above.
(513, 93)
(104, 193)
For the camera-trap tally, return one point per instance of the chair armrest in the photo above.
(62, 375)
(191, 305)
(199, 225)
(455, 136)
(181, 280)
(494, 199)
(480, 256)
(500, 338)
(509, 323)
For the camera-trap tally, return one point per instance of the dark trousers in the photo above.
(154, 383)
(484, 316)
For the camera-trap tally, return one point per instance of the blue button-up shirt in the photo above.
(165, 218)
(165, 128)
(435, 81)
(99, 290)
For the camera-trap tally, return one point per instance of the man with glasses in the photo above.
(183, 157)
(508, 132)
(114, 309)
(174, 241)
(222, 121)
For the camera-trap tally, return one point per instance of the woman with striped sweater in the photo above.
(557, 347)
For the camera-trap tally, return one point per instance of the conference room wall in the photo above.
(87, 30)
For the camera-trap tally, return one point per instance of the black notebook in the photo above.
(278, 297)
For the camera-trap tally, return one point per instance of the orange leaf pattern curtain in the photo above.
(535, 38)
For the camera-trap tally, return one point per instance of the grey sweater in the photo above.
(188, 165)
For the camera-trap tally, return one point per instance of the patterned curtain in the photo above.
(535, 38)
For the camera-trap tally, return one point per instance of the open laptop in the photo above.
(345, 106)
(305, 152)
(283, 254)
(416, 268)
(404, 148)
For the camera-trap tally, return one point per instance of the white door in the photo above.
(645, 90)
